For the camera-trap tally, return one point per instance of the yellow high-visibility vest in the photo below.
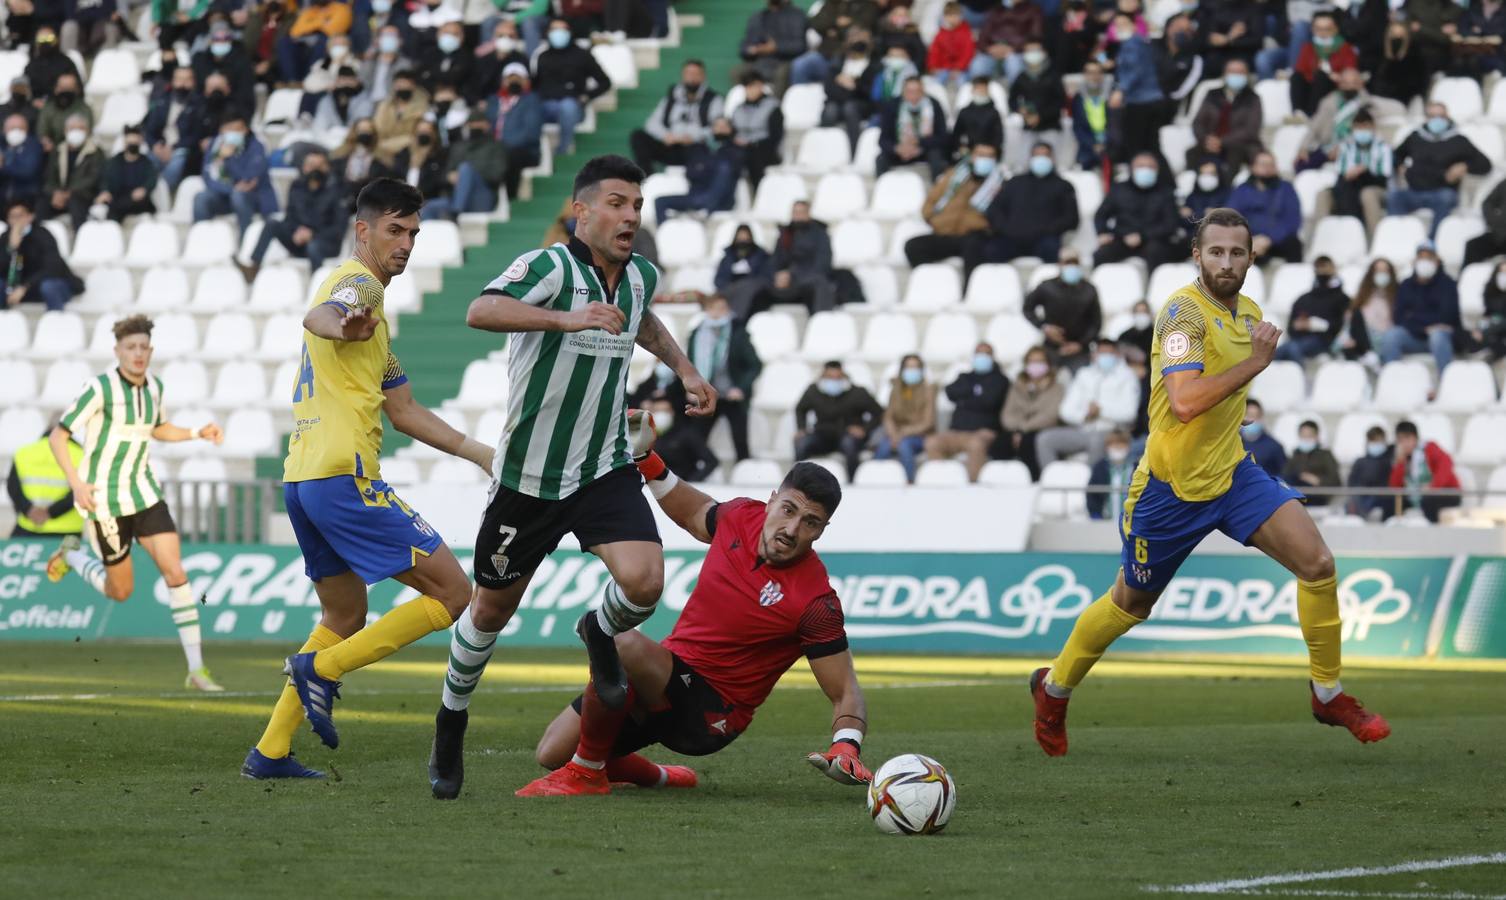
(43, 483)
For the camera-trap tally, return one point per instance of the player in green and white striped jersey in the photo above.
(573, 313)
(120, 413)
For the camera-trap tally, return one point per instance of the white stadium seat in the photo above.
(174, 336)
(1439, 427)
(941, 473)
(281, 338)
(1341, 238)
(282, 107)
(617, 62)
(823, 150)
(1472, 283)
(184, 382)
(1397, 237)
(453, 417)
(994, 288)
(839, 195)
(438, 244)
(763, 236)
(163, 288)
(239, 384)
(1175, 141)
(249, 432)
(774, 335)
(756, 473)
(890, 336)
(490, 425)
(776, 194)
(208, 243)
(280, 385)
(18, 381)
(802, 106)
(1282, 386)
(97, 244)
(900, 234)
(1286, 143)
(230, 335)
(865, 159)
(15, 334)
(65, 379)
(1348, 442)
(1167, 279)
(102, 343)
(1340, 386)
(399, 472)
(208, 475)
(453, 471)
(1120, 286)
(949, 337)
(19, 426)
(662, 184)
(105, 288)
(121, 109)
(1461, 96)
(1486, 138)
(1402, 387)
(1063, 504)
(780, 385)
(1497, 111)
(880, 287)
(1287, 426)
(1484, 441)
(1291, 281)
(831, 334)
(1309, 184)
(1004, 473)
(933, 286)
(1496, 499)
(220, 288)
(897, 194)
(483, 386)
(880, 473)
(837, 469)
(1089, 189)
(1011, 335)
(855, 242)
(113, 71)
(182, 212)
(402, 293)
(1275, 100)
(693, 278)
(681, 241)
(1453, 233)
(1465, 386)
(58, 334)
(152, 243)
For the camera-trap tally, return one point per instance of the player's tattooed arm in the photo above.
(656, 339)
(411, 418)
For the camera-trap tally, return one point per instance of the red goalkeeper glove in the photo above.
(841, 764)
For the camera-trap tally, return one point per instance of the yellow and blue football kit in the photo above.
(1195, 476)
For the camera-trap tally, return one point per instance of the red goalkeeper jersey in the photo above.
(746, 622)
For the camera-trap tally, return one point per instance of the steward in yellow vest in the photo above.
(39, 491)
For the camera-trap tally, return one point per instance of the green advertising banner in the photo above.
(1476, 626)
(919, 602)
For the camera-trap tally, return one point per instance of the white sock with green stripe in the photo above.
(618, 614)
(186, 617)
(88, 568)
(470, 648)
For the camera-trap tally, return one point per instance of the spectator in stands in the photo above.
(218, 104)
(744, 270)
(425, 165)
(1427, 313)
(1002, 38)
(1266, 450)
(978, 121)
(1030, 215)
(1402, 73)
(1490, 335)
(449, 62)
(1316, 316)
(896, 30)
(802, 265)
(833, 23)
(1227, 125)
(1139, 217)
(772, 39)
(65, 103)
(313, 226)
(1179, 62)
(492, 59)
(1270, 204)
(1319, 62)
(1311, 464)
(979, 396)
(397, 118)
(1423, 466)
(568, 78)
(22, 161)
(174, 128)
(47, 64)
(128, 179)
(849, 90)
(474, 168)
(895, 68)
(910, 416)
(1038, 97)
(428, 16)
(1435, 24)
(1333, 120)
(325, 71)
(712, 169)
(1079, 39)
(1372, 470)
(1032, 407)
(174, 23)
(1113, 470)
(1067, 312)
(517, 117)
(1493, 241)
(1365, 165)
(1230, 30)
(758, 128)
(955, 210)
(1210, 190)
(1101, 398)
(1138, 97)
(236, 177)
(1135, 340)
(951, 54)
(1371, 314)
(74, 168)
(385, 62)
(317, 22)
(834, 415)
(724, 355)
(1090, 117)
(1433, 161)
(912, 129)
(226, 56)
(270, 23)
(341, 106)
(34, 267)
(92, 26)
(19, 102)
(1478, 39)
(680, 122)
(449, 112)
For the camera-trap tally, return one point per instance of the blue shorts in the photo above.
(347, 523)
(1159, 529)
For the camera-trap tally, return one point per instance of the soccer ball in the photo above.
(911, 794)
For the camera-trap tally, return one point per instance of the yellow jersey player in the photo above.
(352, 528)
(1195, 477)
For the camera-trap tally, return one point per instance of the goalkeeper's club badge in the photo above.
(517, 270)
(770, 595)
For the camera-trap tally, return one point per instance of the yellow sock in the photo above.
(277, 741)
(382, 638)
(1318, 612)
(1098, 627)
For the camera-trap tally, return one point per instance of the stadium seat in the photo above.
(1453, 233)
(1340, 386)
(662, 184)
(763, 236)
(1484, 441)
(774, 335)
(839, 196)
(1004, 473)
(1397, 237)
(163, 288)
(1286, 144)
(1254, 287)
(933, 286)
(835, 467)
(1342, 239)
(490, 425)
(994, 288)
(1041, 274)
(280, 385)
(949, 337)
(1275, 101)
(207, 475)
(105, 288)
(780, 385)
(402, 293)
(941, 473)
(880, 287)
(248, 433)
(1175, 141)
(101, 348)
(880, 473)
(1165, 280)
(1120, 286)
(174, 336)
(802, 106)
(64, 379)
(1472, 281)
(230, 335)
(19, 426)
(438, 245)
(1282, 386)
(453, 471)
(1089, 189)
(855, 242)
(1486, 138)
(777, 193)
(1402, 387)
(281, 107)
(15, 334)
(18, 381)
(1462, 97)
(59, 334)
(121, 109)
(184, 381)
(209, 243)
(1063, 503)
(756, 473)
(693, 278)
(897, 194)
(221, 288)
(617, 61)
(1439, 427)
(281, 338)
(1291, 281)
(865, 159)
(239, 384)
(483, 386)
(152, 243)
(1465, 386)
(829, 335)
(182, 212)
(399, 471)
(681, 242)
(1309, 183)
(113, 71)
(99, 243)
(453, 417)
(1011, 336)
(890, 336)
(899, 234)
(1287, 425)
(1496, 485)
(823, 150)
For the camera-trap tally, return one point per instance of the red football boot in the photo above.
(570, 781)
(1346, 712)
(1050, 716)
(679, 777)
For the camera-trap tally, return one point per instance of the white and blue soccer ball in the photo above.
(911, 794)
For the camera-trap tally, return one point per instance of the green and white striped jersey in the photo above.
(117, 419)
(566, 405)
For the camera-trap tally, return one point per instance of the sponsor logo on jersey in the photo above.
(770, 595)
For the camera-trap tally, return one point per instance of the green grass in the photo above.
(1179, 773)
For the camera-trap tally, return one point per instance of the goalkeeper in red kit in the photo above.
(762, 601)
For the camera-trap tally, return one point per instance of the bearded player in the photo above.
(763, 600)
(1195, 478)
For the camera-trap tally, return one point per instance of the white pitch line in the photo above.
(1242, 885)
(1393, 895)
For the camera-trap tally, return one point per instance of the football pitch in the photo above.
(1199, 777)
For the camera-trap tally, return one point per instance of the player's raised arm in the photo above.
(839, 681)
(656, 339)
(338, 322)
(413, 419)
(1191, 393)
(687, 506)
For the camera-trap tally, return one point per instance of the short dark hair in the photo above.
(1375, 433)
(753, 76)
(699, 64)
(1226, 217)
(816, 483)
(1322, 259)
(387, 196)
(980, 81)
(137, 324)
(1309, 423)
(603, 168)
(405, 75)
(18, 201)
(132, 129)
(1325, 14)
(1363, 117)
(832, 364)
(1406, 426)
(1251, 401)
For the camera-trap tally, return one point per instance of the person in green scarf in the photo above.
(1319, 64)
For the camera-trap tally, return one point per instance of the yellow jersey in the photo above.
(1195, 331)
(337, 395)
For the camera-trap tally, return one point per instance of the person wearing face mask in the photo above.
(681, 122)
(344, 104)
(1113, 471)
(834, 22)
(1365, 164)
(758, 128)
(897, 31)
(912, 129)
(1432, 163)
(1001, 40)
(1399, 70)
(385, 62)
(1370, 315)
(1332, 121)
(48, 63)
(712, 170)
(1229, 30)
(74, 168)
(910, 416)
(567, 77)
(128, 179)
(1067, 312)
(1029, 216)
(979, 395)
(1103, 397)
(1179, 61)
(1423, 465)
(1135, 340)
(1210, 190)
(357, 161)
(744, 270)
(236, 177)
(493, 59)
(397, 118)
(474, 169)
(772, 39)
(1317, 316)
(1311, 464)
(978, 120)
(1493, 241)
(1271, 206)
(1227, 125)
(1090, 116)
(325, 72)
(19, 101)
(802, 266)
(895, 68)
(227, 56)
(1140, 101)
(835, 416)
(175, 23)
(22, 161)
(317, 22)
(1427, 313)
(952, 49)
(850, 87)
(1490, 335)
(1319, 63)
(1372, 470)
(954, 209)
(35, 271)
(1139, 217)
(66, 102)
(1264, 449)
(517, 121)
(313, 225)
(1032, 407)
(175, 127)
(448, 61)
(722, 352)
(1037, 96)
